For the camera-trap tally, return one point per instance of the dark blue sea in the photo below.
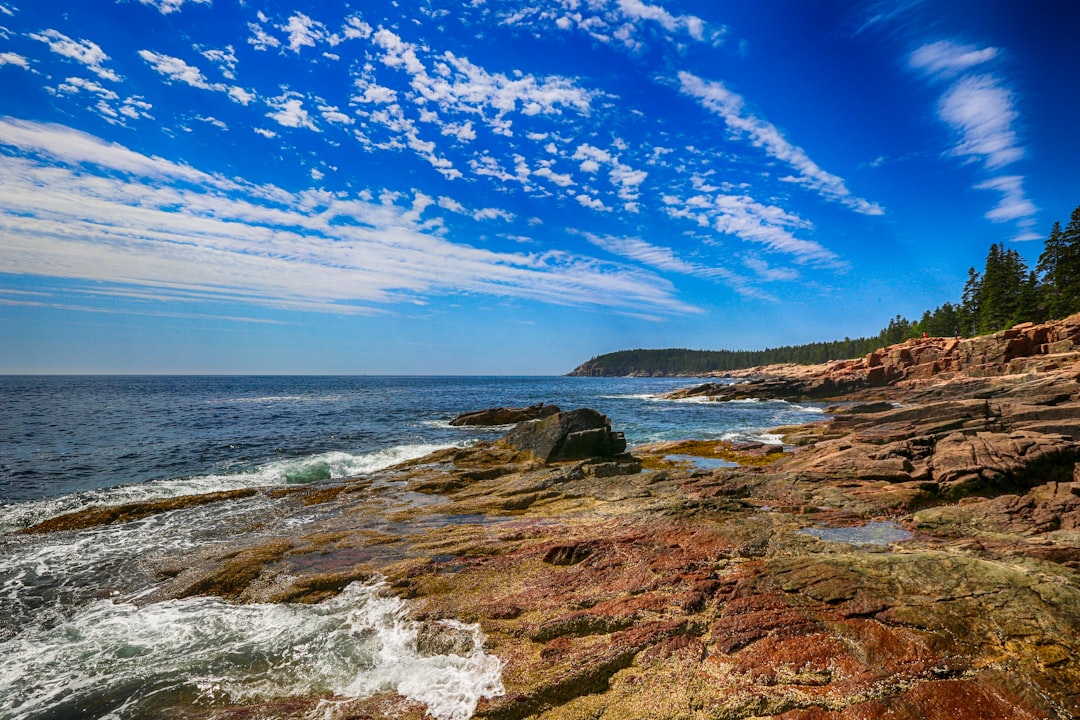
(75, 640)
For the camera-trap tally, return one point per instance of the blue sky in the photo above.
(499, 187)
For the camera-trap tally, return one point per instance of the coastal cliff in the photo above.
(916, 554)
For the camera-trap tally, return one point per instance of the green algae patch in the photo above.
(653, 457)
(94, 517)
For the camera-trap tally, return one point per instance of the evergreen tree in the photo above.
(1068, 278)
(968, 316)
(1029, 307)
(1049, 269)
(1000, 289)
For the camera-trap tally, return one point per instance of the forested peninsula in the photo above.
(1006, 293)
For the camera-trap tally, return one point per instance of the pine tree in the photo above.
(999, 292)
(968, 319)
(1029, 307)
(1049, 269)
(1069, 267)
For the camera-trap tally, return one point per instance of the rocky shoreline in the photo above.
(914, 555)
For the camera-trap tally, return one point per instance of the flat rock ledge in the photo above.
(914, 555)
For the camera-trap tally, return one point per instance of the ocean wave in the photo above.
(243, 400)
(116, 659)
(313, 468)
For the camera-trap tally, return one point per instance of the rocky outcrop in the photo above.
(574, 435)
(504, 415)
(916, 363)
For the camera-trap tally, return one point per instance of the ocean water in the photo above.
(76, 639)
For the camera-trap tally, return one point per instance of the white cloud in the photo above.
(448, 203)
(225, 60)
(288, 111)
(617, 22)
(10, 58)
(767, 272)
(636, 9)
(560, 179)
(945, 58)
(109, 104)
(265, 133)
(304, 32)
(374, 94)
(731, 107)
(459, 86)
(260, 39)
(356, 28)
(240, 95)
(626, 179)
(78, 84)
(219, 124)
(1014, 203)
(980, 109)
(592, 203)
(982, 112)
(177, 70)
(170, 6)
(665, 259)
(462, 131)
(493, 214)
(749, 220)
(81, 209)
(334, 116)
(83, 51)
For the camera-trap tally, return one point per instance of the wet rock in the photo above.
(504, 415)
(574, 435)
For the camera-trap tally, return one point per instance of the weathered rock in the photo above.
(504, 415)
(574, 435)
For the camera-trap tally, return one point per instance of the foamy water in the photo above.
(115, 659)
(324, 466)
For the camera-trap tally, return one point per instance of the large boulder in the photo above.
(573, 435)
(505, 415)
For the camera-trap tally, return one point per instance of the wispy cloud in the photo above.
(980, 109)
(754, 222)
(10, 58)
(638, 10)
(621, 23)
(78, 208)
(85, 52)
(1014, 203)
(945, 58)
(731, 107)
(665, 259)
(175, 69)
(982, 112)
(170, 6)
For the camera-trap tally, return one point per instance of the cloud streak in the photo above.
(81, 209)
(715, 97)
(85, 52)
(980, 109)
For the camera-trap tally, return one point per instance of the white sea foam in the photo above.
(761, 437)
(119, 660)
(325, 466)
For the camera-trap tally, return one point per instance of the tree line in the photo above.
(1007, 292)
